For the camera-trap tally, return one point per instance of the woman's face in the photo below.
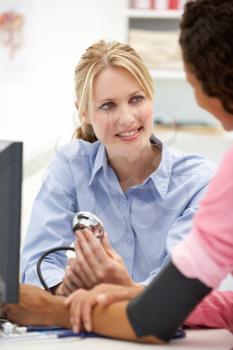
(122, 113)
(210, 104)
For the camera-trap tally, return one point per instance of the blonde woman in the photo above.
(144, 192)
(202, 260)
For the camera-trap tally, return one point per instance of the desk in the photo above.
(195, 340)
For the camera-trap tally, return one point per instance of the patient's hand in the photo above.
(38, 307)
(82, 302)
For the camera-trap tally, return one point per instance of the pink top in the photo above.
(207, 253)
(215, 311)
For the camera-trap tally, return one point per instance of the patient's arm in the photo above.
(112, 321)
(82, 302)
(38, 307)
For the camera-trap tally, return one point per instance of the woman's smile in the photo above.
(129, 135)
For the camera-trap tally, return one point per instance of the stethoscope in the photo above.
(82, 219)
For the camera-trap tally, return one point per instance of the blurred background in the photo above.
(41, 42)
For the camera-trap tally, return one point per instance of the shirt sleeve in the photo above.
(50, 224)
(206, 253)
(214, 311)
(182, 225)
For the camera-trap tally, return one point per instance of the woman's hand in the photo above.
(82, 302)
(98, 262)
(74, 279)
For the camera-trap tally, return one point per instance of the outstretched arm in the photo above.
(109, 320)
(38, 307)
(112, 321)
(157, 312)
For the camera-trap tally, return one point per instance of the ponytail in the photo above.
(86, 135)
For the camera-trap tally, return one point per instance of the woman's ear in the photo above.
(84, 116)
(76, 104)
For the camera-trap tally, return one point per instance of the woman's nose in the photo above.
(126, 116)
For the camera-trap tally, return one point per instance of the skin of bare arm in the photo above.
(82, 302)
(38, 307)
(112, 321)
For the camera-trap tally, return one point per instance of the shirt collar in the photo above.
(161, 176)
(99, 162)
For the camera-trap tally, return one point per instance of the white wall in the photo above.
(175, 99)
(40, 97)
(36, 90)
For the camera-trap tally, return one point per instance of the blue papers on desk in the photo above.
(180, 333)
(65, 332)
(61, 332)
(42, 333)
(48, 332)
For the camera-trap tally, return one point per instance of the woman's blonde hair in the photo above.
(96, 58)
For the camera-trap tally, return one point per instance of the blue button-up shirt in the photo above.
(143, 223)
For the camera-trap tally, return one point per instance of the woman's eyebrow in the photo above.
(107, 99)
(110, 99)
(136, 93)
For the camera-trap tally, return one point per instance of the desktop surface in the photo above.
(195, 339)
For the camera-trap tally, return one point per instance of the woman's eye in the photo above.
(136, 99)
(107, 106)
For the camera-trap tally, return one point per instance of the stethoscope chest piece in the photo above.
(85, 219)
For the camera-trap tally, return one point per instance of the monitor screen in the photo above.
(10, 212)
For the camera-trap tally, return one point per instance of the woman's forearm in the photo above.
(112, 321)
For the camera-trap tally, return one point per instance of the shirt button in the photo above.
(124, 206)
(130, 241)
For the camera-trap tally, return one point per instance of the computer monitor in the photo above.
(10, 212)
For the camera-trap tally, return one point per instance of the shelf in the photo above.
(195, 129)
(167, 74)
(162, 14)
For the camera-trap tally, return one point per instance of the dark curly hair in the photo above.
(206, 41)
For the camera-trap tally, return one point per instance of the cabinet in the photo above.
(154, 33)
